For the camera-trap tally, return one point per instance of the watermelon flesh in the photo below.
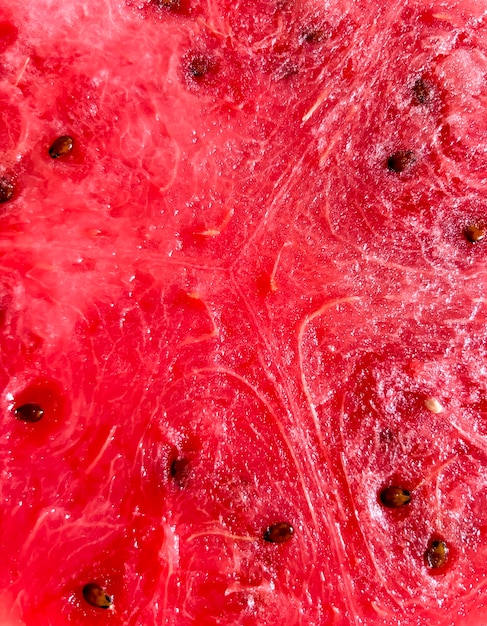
(248, 295)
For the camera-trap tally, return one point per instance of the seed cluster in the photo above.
(60, 147)
(436, 555)
(393, 497)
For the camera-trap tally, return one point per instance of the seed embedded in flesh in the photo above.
(433, 405)
(278, 533)
(29, 412)
(436, 554)
(314, 36)
(61, 146)
(167, 4)
(401, 160)
(6, 189)
(421, 91)
(179, 470)
(199, 66)
(395, 497)
(475, 233)
(96, 596)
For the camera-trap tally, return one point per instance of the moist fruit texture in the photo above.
(242, 324)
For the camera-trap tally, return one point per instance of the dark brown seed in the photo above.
(400, 161)
(314, 36)
(61, 146)
(199, 65)
(421, 91)
(279, 533)
(167, 4)
(475, 233)
(96, 596)
(6, 189)
(395, 497)
(29, 412)
(436, 555)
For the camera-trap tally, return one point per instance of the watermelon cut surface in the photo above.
(242, 322)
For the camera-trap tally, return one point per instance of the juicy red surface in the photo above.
(234, 314)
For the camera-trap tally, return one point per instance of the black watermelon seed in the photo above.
(96, 596)
(6, 189)
(199, 66)
(395, 497)
(61, 146)
(436, 555)
(401, 160)
(29, 412)
(421, 91)
(179, 470)
(475, 233)
(279, 533)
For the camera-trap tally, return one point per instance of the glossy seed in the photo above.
(199, 65)
(29, 412)
(475, 233)
(436, 555)
(421, 91)
(401, 160)
(61, 146)
(279, 533)
(96, 596)
(395, 497)
(6, 189)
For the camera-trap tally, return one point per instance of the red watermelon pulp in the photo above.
(243, 298)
